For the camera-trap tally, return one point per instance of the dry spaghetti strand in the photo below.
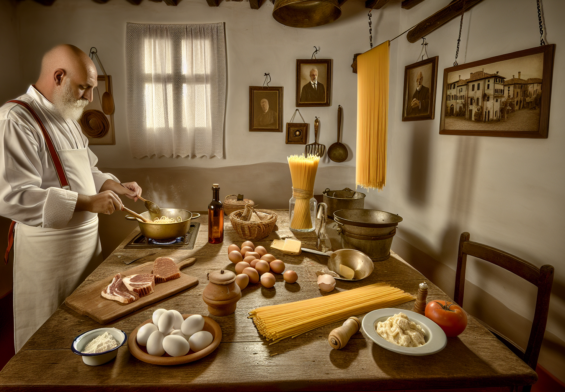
(303, 172)
(278, 322)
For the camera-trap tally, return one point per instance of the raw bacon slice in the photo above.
(142, 284)
(117, 291)
(165, 269)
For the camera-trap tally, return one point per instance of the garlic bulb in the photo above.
(326, 283)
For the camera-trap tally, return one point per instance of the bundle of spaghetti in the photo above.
(303, 172)
(278, 322)
(372, 117)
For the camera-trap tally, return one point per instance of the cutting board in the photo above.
(89, 302)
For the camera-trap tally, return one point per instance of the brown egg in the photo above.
(290, 276)
(242, 280)
(254, 254)
(249, 259)
(248, 243)
(235, 256)
(233, 247)
(239, 267)
(245, 249)
(268, 280)
(253, 274)
(262, 266)
(277, 266)
(253, 263)
(268, 257)
(261, 250)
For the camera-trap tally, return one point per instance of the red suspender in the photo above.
(54, 158)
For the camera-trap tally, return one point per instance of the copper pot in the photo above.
(164, 231)
(306, 13)
(222, 293)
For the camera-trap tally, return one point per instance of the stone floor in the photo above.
(522, 120)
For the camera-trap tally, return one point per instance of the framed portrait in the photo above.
(504, 96)
(265, 109)
(420, 80)
(297, 133)
(313, 82)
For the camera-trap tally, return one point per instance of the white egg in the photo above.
(157, 314)
(192, 324)
(144, 332)
(177, 320)
(166, 322)
(175, 346)
(155, 344)
(178, 332)
(200, 340)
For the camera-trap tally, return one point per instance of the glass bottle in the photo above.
(215, 217)
(312, 204)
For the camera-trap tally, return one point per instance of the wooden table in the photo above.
(244, 362)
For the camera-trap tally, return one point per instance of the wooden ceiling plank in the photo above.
(256, 4)
(376, 4)
(434, 22)
(407, 4)
(172, 2)
(213, 3)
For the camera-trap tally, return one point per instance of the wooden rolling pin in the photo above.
(340, 336)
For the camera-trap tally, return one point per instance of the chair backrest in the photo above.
(541, 277)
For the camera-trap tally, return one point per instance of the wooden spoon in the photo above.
(108, 106)
(153, 208)
(135, 214)
(337, 151)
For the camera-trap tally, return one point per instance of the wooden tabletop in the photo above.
(244, 362)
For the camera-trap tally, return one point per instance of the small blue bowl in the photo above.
(82, 340)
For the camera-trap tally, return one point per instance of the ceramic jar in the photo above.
(222, 293)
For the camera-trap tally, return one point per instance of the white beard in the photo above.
(66, 104)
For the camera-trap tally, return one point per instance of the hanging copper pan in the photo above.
(306, 13)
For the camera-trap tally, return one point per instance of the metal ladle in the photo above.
(337, 151)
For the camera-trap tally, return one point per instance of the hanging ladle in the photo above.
(337, 151)
(108, 106)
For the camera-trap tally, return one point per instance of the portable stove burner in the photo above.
(185, 242)
(165, 242)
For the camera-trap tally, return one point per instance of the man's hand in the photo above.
(103, 203)
(128, 189)
(415, 103)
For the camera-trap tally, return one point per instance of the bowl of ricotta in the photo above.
(404, 332)
(99, 346)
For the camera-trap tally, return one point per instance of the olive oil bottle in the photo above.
(215, 217)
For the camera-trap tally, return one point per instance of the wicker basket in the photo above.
(253, 230)
(231, 204)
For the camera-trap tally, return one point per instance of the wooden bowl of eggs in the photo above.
(171, 348)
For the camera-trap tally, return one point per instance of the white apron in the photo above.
(50, 263)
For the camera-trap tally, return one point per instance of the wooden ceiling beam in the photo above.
(213, 3)
(407, 4)
(434, 22)
(134, 2)
(256, 4)
(376, 4)
(172, 2)
(45, 2)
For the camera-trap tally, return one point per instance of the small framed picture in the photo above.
(313, 82)
(297, 133)
(503, 96)
(420, 80)
(265, 109)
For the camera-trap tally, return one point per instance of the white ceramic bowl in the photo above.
(81, 341)
(434, 335)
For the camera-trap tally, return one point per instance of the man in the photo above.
(50, 186)
(313, 91)
(420, 99)
(266, 118)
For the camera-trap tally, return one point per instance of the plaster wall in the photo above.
(507, 192)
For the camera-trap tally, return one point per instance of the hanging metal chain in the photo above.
(460, 29)
(370, 14)
(267, 75)
(424, 50)
(542, 41)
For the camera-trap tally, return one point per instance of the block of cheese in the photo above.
(346, 272)
(288, 246)
(278, 244)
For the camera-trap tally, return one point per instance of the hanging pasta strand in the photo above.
(303, 172)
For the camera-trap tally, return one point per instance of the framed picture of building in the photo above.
(313, 82)
(265, 109)
(504, 96)
(420, 80)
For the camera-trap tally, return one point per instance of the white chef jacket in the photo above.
(30, 191)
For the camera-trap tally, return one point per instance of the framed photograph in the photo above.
(265, 109)
(504, 96)
(297, 133)
(313, 82)
(420, 80)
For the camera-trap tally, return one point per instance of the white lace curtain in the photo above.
(176, 90)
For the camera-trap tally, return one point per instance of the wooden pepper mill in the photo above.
(340, 336)
(420, 304)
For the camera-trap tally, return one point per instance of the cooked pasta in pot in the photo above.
(165, 219)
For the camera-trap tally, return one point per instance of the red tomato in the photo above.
(448, 315)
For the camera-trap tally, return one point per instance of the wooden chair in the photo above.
(541, 277)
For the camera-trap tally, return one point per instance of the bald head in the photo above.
(67, 67)
(419, 79)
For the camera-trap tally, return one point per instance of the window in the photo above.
(478, 86)
(176, 90)
(473, 87)
(488, 86)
